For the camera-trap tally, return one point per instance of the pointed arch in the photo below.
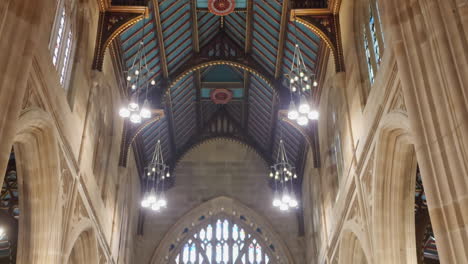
(394, 185)
(221, 208)
(81, 246)
(352, 246)
(36, 150)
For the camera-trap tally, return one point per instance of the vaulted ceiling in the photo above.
(191, 51)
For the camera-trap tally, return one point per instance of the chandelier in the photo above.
(283, 174)
(300, 83)
(154, 178)
(137, 81)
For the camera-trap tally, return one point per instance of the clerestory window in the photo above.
(373, 39)
(62, 41)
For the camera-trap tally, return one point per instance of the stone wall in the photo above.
(219, 167)
(414, 113)
(69, 209)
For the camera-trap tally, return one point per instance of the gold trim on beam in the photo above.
(282, 38)
(128, 9)
(214, 63)
(162, 50)
(310, 12)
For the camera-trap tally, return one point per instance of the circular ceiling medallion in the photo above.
(221, 7)
(221, 96)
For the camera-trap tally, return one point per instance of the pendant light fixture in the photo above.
(301, 81)
(283, 174)
(156, 173)
(137, 81)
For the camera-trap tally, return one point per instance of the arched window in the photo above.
(222, 241)
(373, 39)
(62, 40)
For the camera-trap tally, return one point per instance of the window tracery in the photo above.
(222, 241)
(373, 39)
(62, 40)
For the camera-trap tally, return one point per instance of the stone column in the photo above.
(19, 24)
(430, 45)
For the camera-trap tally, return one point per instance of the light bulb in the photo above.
(301, 74)
(286, 198)
(284, 207)
(133, 86)
(271, 174)
(292, 113)
(313, 115)
(168, 175)
(302, 120)
(153, 82)
(124, 112)
(145, 203)
(276, 202)
(293, 203)
(133, 106)
(306, 78)
(153, 169)
(129, 78)
(135, 118)
(151, 199)
(145, 111)
(315, 83)
(155, 207)
(292, 80)
(137, 72)
(304, 107)
(307, 86)
(296, 78)
(295, 176)
(162, 202)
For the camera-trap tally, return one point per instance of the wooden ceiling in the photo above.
(250, 49)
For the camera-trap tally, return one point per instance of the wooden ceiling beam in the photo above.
(245, 105)
(282, 38)
(159, 33)
(248, 27)
(198, 104)
(196, 42)
(170, 124)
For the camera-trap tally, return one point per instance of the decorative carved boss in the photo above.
(221, 7)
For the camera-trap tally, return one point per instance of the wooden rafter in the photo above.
(197, 76)
(196, 42)
(274, 121)
(245, 105)
(248, 27)
(282, 38)
(159, 33)
(170, 119)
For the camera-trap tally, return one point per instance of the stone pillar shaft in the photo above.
(430, 46)
(18, 30)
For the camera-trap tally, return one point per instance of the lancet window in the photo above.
(373, 39)
(62, 40)
(222, 242)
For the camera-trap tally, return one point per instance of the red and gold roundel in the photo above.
(221, 7)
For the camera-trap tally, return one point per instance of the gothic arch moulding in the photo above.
(222, 208)
(253, 69)
(38, 163)
(352, 249)
(394, 178)
(82, 245)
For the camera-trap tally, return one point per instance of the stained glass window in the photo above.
(222, 242)
(373, 39)
(369, 60)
